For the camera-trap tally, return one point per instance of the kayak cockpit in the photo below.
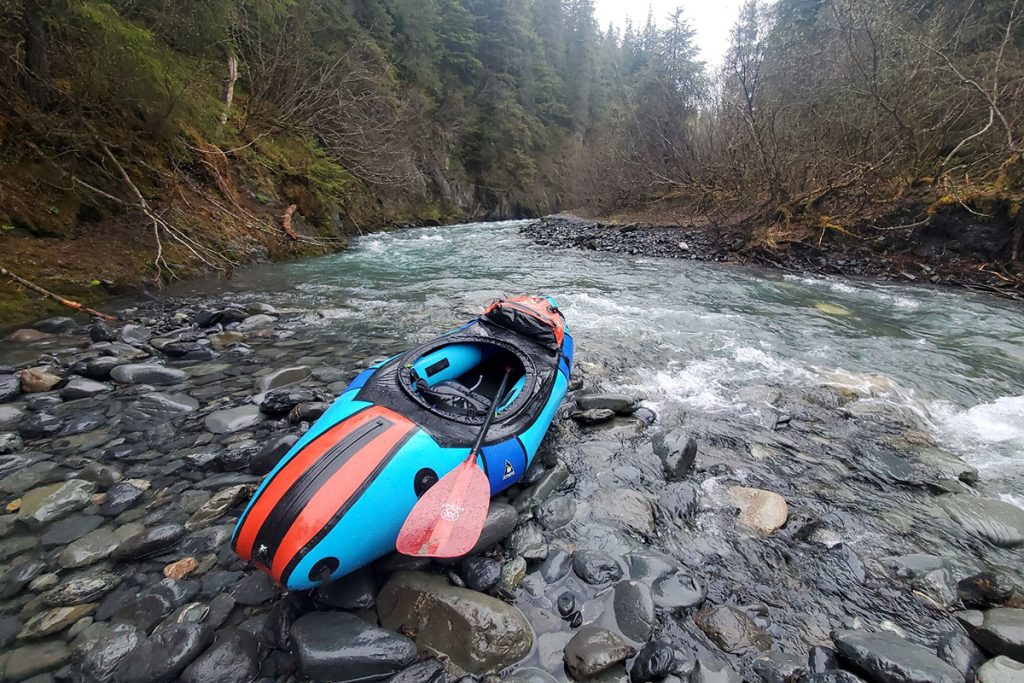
(459, 380)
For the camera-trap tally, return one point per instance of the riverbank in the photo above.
(748, 479)
(956, 252)
(116, 530)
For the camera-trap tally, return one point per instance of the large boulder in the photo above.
(887, 658)
(479, 633)
(341, 647)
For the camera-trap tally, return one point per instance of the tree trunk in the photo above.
(36, 43)
(229, 85)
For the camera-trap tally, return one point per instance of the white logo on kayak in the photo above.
(509, 471)
(450, 512)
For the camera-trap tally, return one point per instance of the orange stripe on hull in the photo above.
(290, 473)
(339, 489)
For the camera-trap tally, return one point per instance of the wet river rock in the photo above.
(147, 373)
(341, 647)
(232, 658)
(164, 655)
(762, 510)
(733, 630)
(960, 652)
(987, 589)
(1001, 670)
(594, 650)
(887, 657)
(596, 567)
(994, 520)
(1000, 631)
(481, 634)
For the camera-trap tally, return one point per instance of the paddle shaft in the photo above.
(490, 415)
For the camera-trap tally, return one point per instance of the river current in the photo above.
(686, 336)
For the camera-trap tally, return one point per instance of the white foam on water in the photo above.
(898, 300)
(1000, 421)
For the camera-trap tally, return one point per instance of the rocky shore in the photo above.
(943, 263)
(824, 537)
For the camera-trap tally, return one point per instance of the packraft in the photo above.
(339, 497)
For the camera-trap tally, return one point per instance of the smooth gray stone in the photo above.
(147, 373)
(888, 657)
(341, 647)
(1001, 670)
(593, 650)
(1000, 631)
(994, 520)
(634, 610)
(233, 419)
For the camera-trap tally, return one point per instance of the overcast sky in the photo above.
(711, 19)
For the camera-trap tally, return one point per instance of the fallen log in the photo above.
(73, 305)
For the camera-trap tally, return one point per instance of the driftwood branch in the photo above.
(73, 305)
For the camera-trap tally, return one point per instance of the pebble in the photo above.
(28, 660)
(83, 388)
(147, 373)
(351, 592)
(994, 520)
(593, 417)
(54, 620)
(762, 510)
(594, 650)
(98, 654)
(512, 574)
(10, 386)
(596, 567)
(677, 451)
(708, 670)
(120, 497)
(150, 541)
(282, 378)
(255, 589)
(181, 569)
(556, 512)
(93, 547)
(233, 419)
(528, 542)
(47, 504)
(481, 573)
(82, 589)
(500, 522)
(217, 506)
(271, 453)
(655, 661)
(779, 667)
(732, 630)
(36, 381)
(620, 404)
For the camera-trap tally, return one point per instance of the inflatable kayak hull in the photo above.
(339, 497)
